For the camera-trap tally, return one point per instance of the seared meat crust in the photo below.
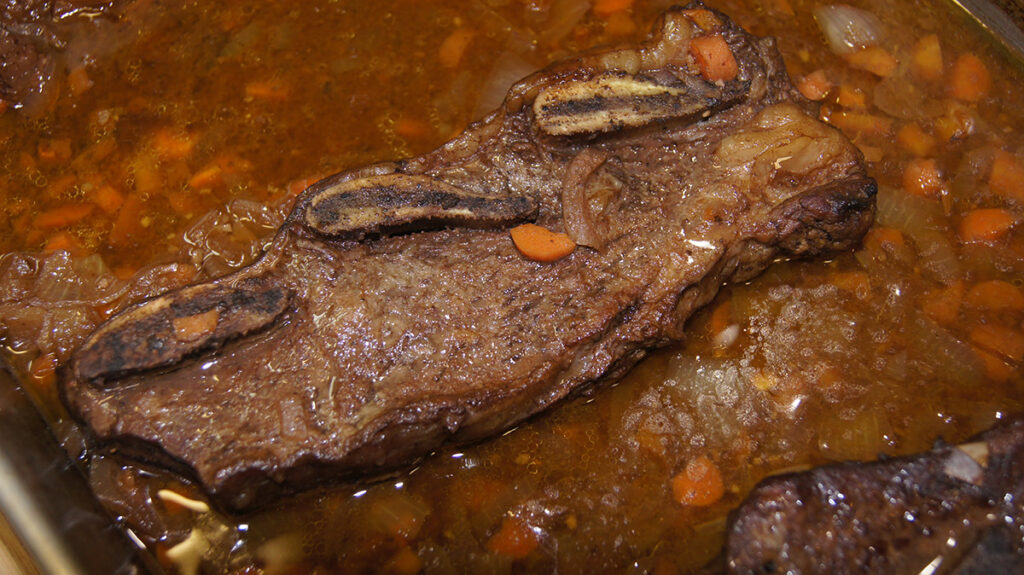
(954, 509)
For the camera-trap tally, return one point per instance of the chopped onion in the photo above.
(848, 29)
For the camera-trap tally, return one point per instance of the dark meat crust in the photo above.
(392, 344)
(940, 508)
(29, 32)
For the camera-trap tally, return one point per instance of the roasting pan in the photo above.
(52, 524)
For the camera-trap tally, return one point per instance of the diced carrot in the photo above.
(996, 368)
(850, 97)
(514, 538)
(856, 282)
(860, 123)
(943, 304)
(56, 151)
(915, 140)
(185, 204)
(78, 81)
(540, 244)
(405, 562)
(64, 241)
(705, 19)
(714, 58)
(926, 58)
(879, 236)
(969, 80)
(212, 176)
(1003, 341)
(60, 186)
(699, 484)
(172, 144)
(652, 442)
(267, 90)
(194, 327)
(605, 8)
(921, 177)
(814, 86)
(619, 24)
(985, 225)
(873, 59)
(413, 128)
(1007, 176)
(454, 47)
(146, 175)
(127, 225)
(107, 197)
(996, 295)
(64, 215)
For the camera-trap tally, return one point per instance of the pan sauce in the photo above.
(174, 125)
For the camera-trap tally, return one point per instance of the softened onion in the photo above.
(848, 29)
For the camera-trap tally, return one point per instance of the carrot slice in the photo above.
(926, 58)
(943, 304)
(814, 86)
(873, 59)
(108, 198)
(915, 140)
(1007, 176)
(267, 90)
(860, 123)
(212, 176)
(921, 177)
(985, 225)
(969, 80)
(714, 58)
(1002, 341)
(699, 484)
(78, 81)
(705, 19)
(605, 8)
(541, 244)
(850, 97)
(127, 224)
(514, 538)
(996, 295)
(64, 215)
(173, 145)
(64, 241)
(454, 46)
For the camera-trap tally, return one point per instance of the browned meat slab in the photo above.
(955, 509)
(393, 312)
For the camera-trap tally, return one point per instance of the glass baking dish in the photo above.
(50, 521)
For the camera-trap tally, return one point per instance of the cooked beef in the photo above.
(29, 33)
(954, 509)
(392, 311)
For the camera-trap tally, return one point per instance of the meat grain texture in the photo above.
(955, 509)
(392, 312)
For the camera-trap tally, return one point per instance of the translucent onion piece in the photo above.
(848, 29)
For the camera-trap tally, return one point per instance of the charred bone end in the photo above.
(394, 203)
(165, 330)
